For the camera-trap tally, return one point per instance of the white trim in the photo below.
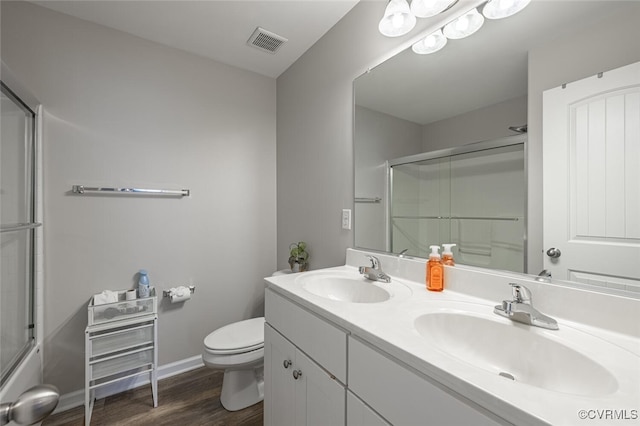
(39, 278)
(76, 398)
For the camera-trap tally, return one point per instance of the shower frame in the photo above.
(26, 370)
(521, 139)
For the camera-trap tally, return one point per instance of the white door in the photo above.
(591, 145)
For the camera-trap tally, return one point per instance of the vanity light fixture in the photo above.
(498, 9)
(464, 25)
(430, 44)
(397, 20)
(429, 8)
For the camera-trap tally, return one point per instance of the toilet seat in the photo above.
(240, 337)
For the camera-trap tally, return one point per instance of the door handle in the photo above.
(286, 363)
(554, 253)
(297, 374)
(32, 406)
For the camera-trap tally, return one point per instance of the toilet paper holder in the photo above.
(172, 292)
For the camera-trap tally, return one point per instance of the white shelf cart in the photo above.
(121, 342)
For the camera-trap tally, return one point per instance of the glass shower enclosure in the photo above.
(17, 231)
(473, 196)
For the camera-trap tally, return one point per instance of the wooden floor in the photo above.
(188, 399)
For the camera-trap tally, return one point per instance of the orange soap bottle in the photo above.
(447, 254)
(435, 270)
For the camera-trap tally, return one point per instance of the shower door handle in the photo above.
(33, 406)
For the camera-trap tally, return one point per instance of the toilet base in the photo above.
(242, 388)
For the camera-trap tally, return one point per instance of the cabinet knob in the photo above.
(297, 374)
(286, 363)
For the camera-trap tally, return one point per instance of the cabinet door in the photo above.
(320, 398)
(298, 391)
(279, 392)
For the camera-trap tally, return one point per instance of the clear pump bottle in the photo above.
(435, 270)
(447, 255)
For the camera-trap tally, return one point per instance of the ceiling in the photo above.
(217, 29)
(485, 69)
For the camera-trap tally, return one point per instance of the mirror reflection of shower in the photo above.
(473, 197)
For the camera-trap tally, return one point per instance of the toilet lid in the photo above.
(242, 336)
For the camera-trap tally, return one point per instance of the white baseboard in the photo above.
(76, 398)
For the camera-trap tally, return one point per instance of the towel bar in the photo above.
(81, 189)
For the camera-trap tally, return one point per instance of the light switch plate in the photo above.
(346, 218)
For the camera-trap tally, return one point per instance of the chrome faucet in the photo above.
(520, 309)
(374, 272)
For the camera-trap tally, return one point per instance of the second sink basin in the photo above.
(347, 286)
(517, 352)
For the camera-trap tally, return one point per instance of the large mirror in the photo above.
(482, 88)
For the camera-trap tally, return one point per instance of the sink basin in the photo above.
(516, 352)
(346, 286)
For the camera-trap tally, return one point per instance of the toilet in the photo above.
(238, 348)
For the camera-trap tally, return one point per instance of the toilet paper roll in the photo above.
(180, 294)
(130, 295)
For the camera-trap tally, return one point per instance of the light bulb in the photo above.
(505, 4)
(498, 9)
(464, 25)
(397, 20)
(430, 44)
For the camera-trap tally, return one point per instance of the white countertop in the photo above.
(389, 326)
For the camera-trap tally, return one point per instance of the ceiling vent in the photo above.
(266, 40)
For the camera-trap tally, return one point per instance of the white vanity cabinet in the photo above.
(305, 357)
(319, 374)
(404, 396)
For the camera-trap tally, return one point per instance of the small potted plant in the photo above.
(298, 255)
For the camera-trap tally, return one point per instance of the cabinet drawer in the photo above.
(121, 363)
(119, 340)
(322, 341)
(416, 400)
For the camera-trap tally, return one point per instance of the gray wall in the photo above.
(315, 125)
(122, 111)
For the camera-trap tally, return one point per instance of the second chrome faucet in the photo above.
(521, 309)
(374, 272)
